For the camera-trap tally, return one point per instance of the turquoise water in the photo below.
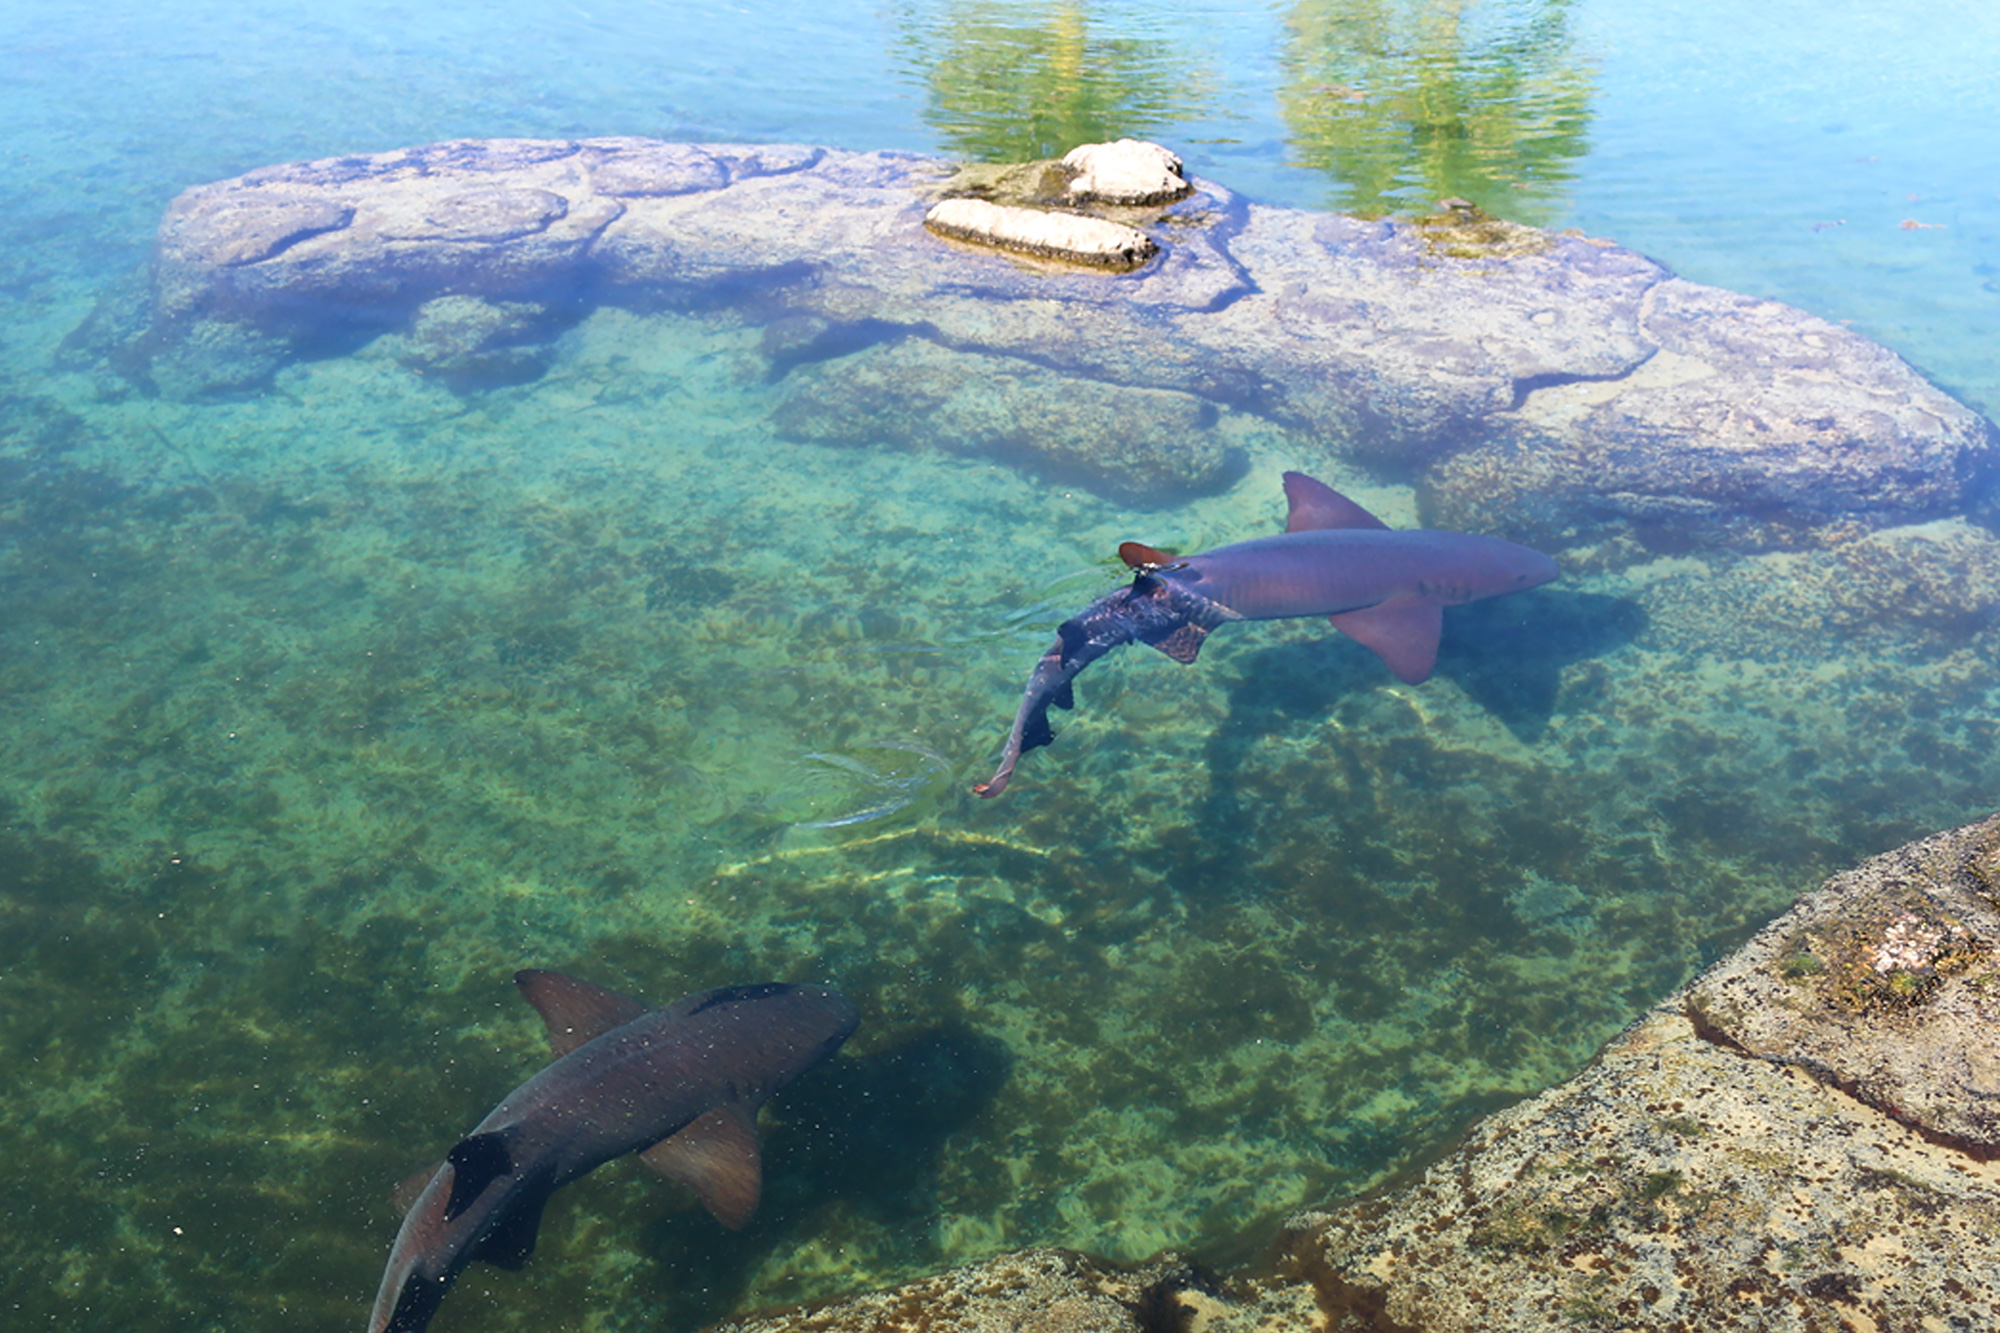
(323, 708)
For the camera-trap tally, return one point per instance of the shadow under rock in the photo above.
(867, 1132)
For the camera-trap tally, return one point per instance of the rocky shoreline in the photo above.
(1803, 1138)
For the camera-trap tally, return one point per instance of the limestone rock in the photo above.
(1030, 1291)
(1673, 1184)
(1070, 238)
(1129, 172)
(1135, 444)
(1554, 389)
(1885, 983)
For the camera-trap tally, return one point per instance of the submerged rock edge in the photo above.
(1553, 389)
(1679, 1181)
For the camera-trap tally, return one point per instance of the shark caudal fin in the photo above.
(1315, 506)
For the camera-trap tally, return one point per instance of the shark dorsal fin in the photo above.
(716, 1155)
(1403, 634)
(1143, 558)
(575, 1011)
(1314, 505)
(476, 1162)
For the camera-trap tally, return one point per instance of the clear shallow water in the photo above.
(324, 709)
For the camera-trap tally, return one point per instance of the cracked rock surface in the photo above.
(1554, 389)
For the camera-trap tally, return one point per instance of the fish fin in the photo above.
(476, 1162)
(1070, 636)
(1037, 732)
(575, 1011)
(512, 1239)
(415, 1304)
(1064, 697)
(404, 1196)
(1145, 559)
(1314, 505)
(1184, 644)
(1404, 634)
(716, 1155)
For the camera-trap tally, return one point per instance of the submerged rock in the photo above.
(1802, 1139)
(1555, 389)
(1134, 444)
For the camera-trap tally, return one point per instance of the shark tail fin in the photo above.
(1403, 634)
(1313, 505)
(716, 1154)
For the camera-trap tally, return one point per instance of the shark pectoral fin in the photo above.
(1403, 634)
(512, 1238)
(1314, 506)
(476, 1163)
(716, 1155)
(575, 1011)
(1184, 644)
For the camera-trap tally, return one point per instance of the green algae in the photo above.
(326, 710)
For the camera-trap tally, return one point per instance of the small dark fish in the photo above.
(680, 1086)
(1383, 588)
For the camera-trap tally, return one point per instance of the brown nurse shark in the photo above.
(1385, 588)
(680, 1086)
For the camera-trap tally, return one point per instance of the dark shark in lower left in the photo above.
(680, 1086)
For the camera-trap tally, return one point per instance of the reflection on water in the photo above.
(1016, 82)
(1406, 102)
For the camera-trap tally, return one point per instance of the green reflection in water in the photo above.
(1405, 102)
(1016, 82)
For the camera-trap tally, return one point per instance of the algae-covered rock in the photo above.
(1885, 983)
(1798, 1141)
(1029, 1291)
(1137, 444)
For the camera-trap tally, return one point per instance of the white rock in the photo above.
(1030, 231)
(1130, 171)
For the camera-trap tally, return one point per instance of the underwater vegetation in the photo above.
(328, 709)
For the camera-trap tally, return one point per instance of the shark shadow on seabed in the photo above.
(1507, 655)
(866, 1135)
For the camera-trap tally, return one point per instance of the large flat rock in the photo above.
(1556, 389)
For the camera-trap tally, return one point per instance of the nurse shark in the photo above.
(680, 1086)
(1385, 588)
